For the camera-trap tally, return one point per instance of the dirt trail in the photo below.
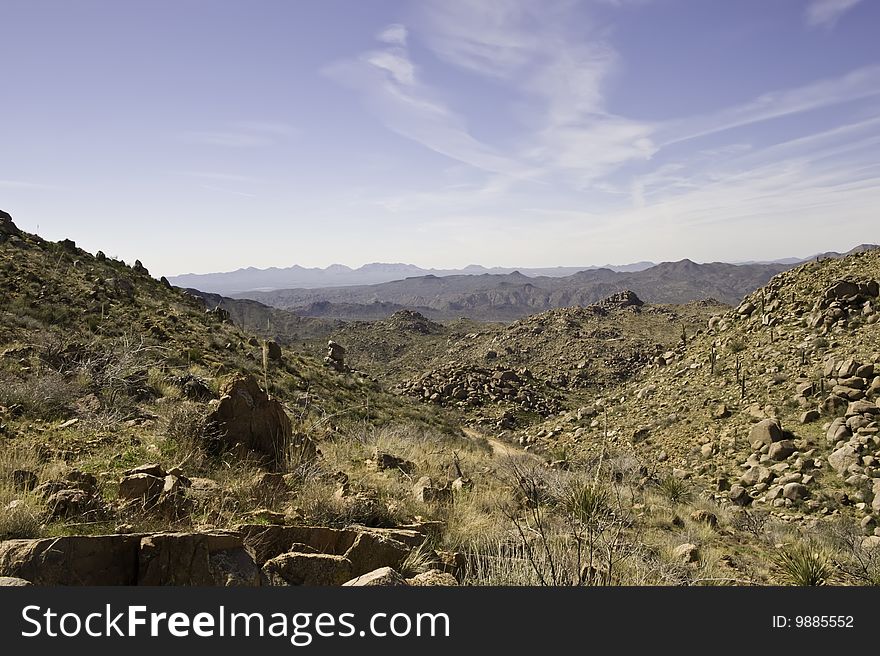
(499, 449)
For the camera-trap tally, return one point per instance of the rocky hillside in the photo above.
(147, 438)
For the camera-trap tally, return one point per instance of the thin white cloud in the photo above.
(396, 63)
(226, 139)
(394, 34)
(389, 83)
(857, 85)
(217, 176)
(826, 13)
(241, 134)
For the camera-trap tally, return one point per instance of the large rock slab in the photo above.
(267, 542)
(197, 559)
(73, 560)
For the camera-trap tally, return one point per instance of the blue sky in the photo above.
(200, 135)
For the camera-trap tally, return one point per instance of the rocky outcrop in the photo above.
(246, 421)
(74, 560)
(197, 559)
(335, 358)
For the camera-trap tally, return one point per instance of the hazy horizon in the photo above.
(204, 136)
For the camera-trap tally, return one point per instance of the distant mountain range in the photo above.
(339, 275)
(505, 297)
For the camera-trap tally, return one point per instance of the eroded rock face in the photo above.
(246, 420)
(74, 560)
(200, 559)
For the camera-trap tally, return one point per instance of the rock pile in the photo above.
(412, 321)
(150, 487)
(843, 300)
(471, 386)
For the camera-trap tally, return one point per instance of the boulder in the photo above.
(73, 502)
(766, 431)
(862, 408)
(307, 569)
(142, 487)
(843, 458)
(795, 491)
(433, 577)
(7, 227)
(810, 416)
(838, 430)
(267, 542)
(738, 495)
(686, 553)
(781, 450)
(13, 582)
(196, 559)
(72, 560)
(370, 552)
(384, 460)
(834, 405)
(756, 474)
(426, 492)
(273, 351)
(247, 421)
(384, 576)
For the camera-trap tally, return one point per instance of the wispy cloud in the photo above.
(825, 13)
(856, 85)
(218, 176)
(395, 34)
(241, 134)
(668, 180)
(390, 84)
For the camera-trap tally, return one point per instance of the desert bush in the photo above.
(186, 426)
(803, 563)
(857, 560)
(418, 561)
(676, 490)
(43, 393)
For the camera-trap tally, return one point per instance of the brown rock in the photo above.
(370, 551)
(767, 431)
(247, 420)
(307, 569)
(196, 559)
(72, 560)
(433, 577)
(384, 576)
